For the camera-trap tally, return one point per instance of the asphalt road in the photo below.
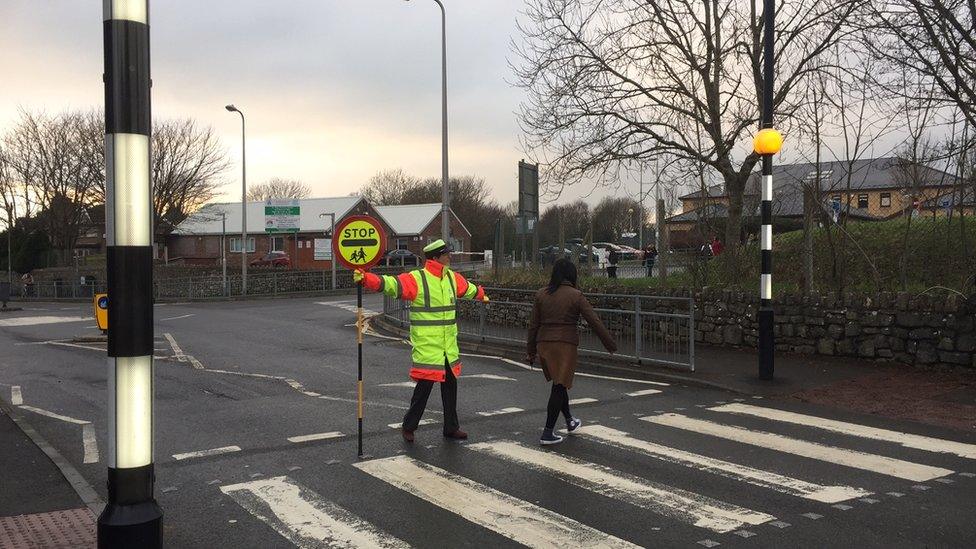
(256, 446)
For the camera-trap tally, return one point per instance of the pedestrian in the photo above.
(433, 292)
(650, 256)
(716, 246)
(612, 260)
(553, 338)
(28, 282)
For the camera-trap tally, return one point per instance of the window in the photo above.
(885, 200)
(401, 243)
(835, 198)
(862, 201)
(235, 244)
(277, 243)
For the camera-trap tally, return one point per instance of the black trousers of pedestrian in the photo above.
(558, 402)
(612, 271)
(418, 402)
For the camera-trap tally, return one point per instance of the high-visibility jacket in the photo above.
(433, 293)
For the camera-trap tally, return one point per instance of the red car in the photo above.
(272, 259)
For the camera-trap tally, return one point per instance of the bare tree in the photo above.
(278, 187)
(622, 80)
(187, 162)
(389, 187)
(934, 40)
(612, 217)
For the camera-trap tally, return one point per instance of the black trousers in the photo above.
(558, 403)
(418, 402)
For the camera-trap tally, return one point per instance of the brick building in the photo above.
(416, 225)
(196, 241)
(867, 190)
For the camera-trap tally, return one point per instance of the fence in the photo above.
(260, 283)
(647, 329)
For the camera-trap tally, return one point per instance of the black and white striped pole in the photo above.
(132, 517)
(767, 143)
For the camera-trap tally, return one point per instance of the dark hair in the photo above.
(562, 271)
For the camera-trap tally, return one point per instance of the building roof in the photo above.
(873, 173)
(787, 202)
(708, 211)
(714, 191)
(207, 220)
(412, 219)
(952, 199)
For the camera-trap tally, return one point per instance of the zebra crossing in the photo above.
(307, 519)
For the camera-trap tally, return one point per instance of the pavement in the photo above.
(255, 445)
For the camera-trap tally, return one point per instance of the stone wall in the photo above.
(926, 330)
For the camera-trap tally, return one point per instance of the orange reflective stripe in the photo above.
(408, 285)
(462, 284)
(419, 373)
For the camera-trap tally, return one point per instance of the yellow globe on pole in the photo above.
(767, 141)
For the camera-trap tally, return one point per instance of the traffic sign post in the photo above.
(358, 243)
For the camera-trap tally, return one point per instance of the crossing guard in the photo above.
(433, 292)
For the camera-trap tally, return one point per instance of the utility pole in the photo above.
(131, 518)
(223, 250)
(767, 143)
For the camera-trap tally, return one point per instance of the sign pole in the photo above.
(358, 243)
(359, 339)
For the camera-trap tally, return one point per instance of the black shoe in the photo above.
(549, 438)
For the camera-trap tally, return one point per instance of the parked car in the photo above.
(625, 252)
(629, 252)
(272, 259)
(401, 257)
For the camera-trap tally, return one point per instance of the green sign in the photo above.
(282, 216)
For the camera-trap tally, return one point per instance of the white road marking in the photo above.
(89, 443)
(37, 320)
(645, 392)
(317, 436)
(177, 352)
(831, 454)
(305, 518)
(907, 440)
(511, 517)
(76, 346)
(410, 384)
(195, 363)
(206, 453)
(177, 317)
(743, 473)
(347, 307)
(510, 410)
(422, 422)
(581, 374)
(489, 376)
(699, 510)
(54, 416)
(584, 400)
(16, 397)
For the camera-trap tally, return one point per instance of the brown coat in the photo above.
(555, 319)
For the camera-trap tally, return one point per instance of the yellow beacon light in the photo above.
(767, 141)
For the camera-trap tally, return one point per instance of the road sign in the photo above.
(528, 199)
(282, 216)
(101, 311)
(359, 242)
(323, 249)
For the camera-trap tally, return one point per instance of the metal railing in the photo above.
(647, 329)
(260, 283)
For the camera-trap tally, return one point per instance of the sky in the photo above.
(333, 90)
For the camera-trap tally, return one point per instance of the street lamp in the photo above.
(445, 191)
(232, 108)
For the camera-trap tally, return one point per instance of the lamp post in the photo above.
(232, 108)
(767, 143)
(446, 194)
(331, 235)
(131, 517)
(223, 249)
